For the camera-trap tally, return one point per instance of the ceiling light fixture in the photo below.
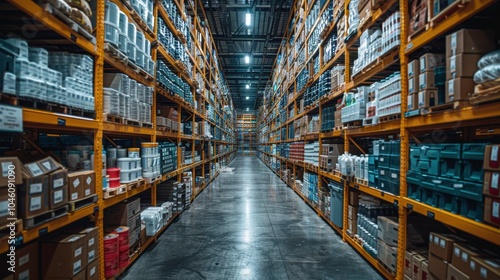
(248, 109)
(247, 86)
(248, 19)
(247, 59)
(248, 97)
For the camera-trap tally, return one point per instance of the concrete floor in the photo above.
(250, 225)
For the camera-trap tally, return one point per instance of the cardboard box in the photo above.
(426, 80)
(388, 230)
(26, 266)
(92, 271)
(429, 61)
(459, 89)
(64, 256)
(428, 98)
(417, 266)
(352, 226)
(491, 182)
(387, 255)
(58, 197)
(407, 277)
(89, 184)
(75, 186)
(462, 255)
(49, 165)
(441, 245)
(462, 66)
(470, 41)
(33, 196)
(491, 210)
(167, 112)
(10, 166)
(488, 268)
(413, 84)
(492, 157)
(455, 274)
(418, 16)
(116, 219)
(424, 271)
(409, 263)
(80, 276)
(352, 212)
(438, 268)
(91, 239)
(134, 235)
(414, 68)
(412, 101)
(58, 179)
(130, 206)
(365, 13)
(143, 236)
(353, 198)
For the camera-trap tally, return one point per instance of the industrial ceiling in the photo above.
(252, 28)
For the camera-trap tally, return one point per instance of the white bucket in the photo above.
(127, 176)
(128, 163)
(112, 14)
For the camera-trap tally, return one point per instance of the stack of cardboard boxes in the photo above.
(416, 265)
(330, 153)
(167, 117)
(352, 220)
(126, 213)
(491, 185)
(463, 50)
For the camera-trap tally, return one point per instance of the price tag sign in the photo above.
(11, 118)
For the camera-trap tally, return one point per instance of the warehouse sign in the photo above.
(11, 119)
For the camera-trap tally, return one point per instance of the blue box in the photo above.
(389, 186)
(470, 191)
(414, 157)
(413, 181)
(372, 162)
(429, 167)
(473, 171)
(447, 202)
(428, 189)
(373, 179)
(451, 168)
(471, 209)
(451, 151)
(473, 151)
(430, 152)
(390, 148)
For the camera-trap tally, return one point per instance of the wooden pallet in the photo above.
(6, 229)
(389, 118)
(337, 173)
(328, 170)
(152, 180)
(33, 221)
(135, 184)
(82, 202)
(452, 8)
(8, 99)
(51, 9)
(113, 119)
(361, 181)
(115, 53)
(445, 107)
(486, 93)
(41, 105)
(110, 192)
(353, 124)
(418, 32)
(370, 121)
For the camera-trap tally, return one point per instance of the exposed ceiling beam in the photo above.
(250, 38)
(244, 7)
(241, 55)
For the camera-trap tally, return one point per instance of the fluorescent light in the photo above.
(248, 97)
(248, 109)
(247, 86)
(248, 19)
(247, 59)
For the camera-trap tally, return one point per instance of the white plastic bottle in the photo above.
(365, 176)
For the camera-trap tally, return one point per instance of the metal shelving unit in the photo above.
(100, 129)
(471, 120)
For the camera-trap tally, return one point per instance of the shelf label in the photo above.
(61, 122)
(11, 118)
(43, 231)
(431, 215)
(73, 37)
(409, 206)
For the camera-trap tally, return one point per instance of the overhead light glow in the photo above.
(248, 97)
(248, 19)
(247, 59)
(248, 109)
(247, 86)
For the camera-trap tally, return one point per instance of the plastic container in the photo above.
(123, 23)
(112, 14)
(149, 148)
(131, 49)
(113, 173)
(140, 57)
(132, 31)
(128, 163)
(111, 264)
(111, 33)
(121, 153)
(123, 233)
(149, 163)
(114, 182)
(133, 153)
(139, 40)
(123, 42)
(127, 176)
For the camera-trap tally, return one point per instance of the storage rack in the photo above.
(247, 141)
(53, 32)
(283, 87)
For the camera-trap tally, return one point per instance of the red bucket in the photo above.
(113, 173)
(111, 243)
(111, 264)
(122, 236)
(114, 182)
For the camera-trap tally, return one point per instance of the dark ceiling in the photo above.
(261, 41)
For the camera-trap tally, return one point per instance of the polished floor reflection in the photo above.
(250, 225)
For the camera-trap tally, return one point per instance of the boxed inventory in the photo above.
(63, 256)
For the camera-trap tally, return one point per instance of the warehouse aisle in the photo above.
(250, 225)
